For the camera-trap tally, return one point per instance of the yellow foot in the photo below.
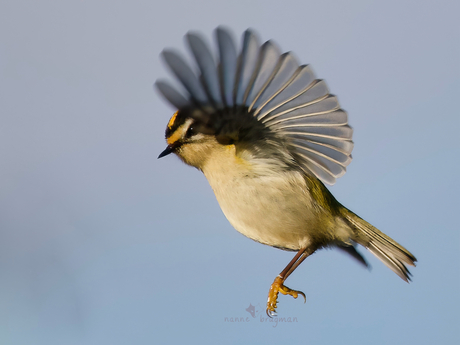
(276, 288)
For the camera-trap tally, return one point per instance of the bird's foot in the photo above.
(275, 289)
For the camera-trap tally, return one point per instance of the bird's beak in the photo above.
(169, 149)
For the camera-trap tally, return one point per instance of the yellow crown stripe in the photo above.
(172, 120)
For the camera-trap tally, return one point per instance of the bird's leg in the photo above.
(278, 285)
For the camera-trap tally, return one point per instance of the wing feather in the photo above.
(334, 118)
(302, 79)
(344, 146)
(208, 68)
(267, 67)
(185, 75)
(227, 66)
(246, 66)
(320, 106)
(287, 70)
(172, 95)
(313, 92)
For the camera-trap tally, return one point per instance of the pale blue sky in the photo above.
(101, 243)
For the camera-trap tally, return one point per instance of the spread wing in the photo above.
(285, 97)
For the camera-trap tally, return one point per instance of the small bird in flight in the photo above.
(267, 134)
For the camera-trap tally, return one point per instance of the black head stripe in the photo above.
(177, 120)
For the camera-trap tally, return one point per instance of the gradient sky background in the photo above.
(101, 243)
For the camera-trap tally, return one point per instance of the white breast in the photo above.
(276, 210)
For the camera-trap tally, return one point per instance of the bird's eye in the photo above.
(190, 132)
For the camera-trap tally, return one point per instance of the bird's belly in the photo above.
(272, 210)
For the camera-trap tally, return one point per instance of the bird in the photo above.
(268, 135)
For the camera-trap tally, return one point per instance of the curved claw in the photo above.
(303, 295)
(271, 313)
(294, 293)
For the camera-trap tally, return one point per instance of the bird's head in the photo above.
(197, 136)
(194, 138)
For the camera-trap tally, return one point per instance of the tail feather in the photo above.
(391, 253)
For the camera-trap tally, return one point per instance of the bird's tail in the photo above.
(391, 253)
